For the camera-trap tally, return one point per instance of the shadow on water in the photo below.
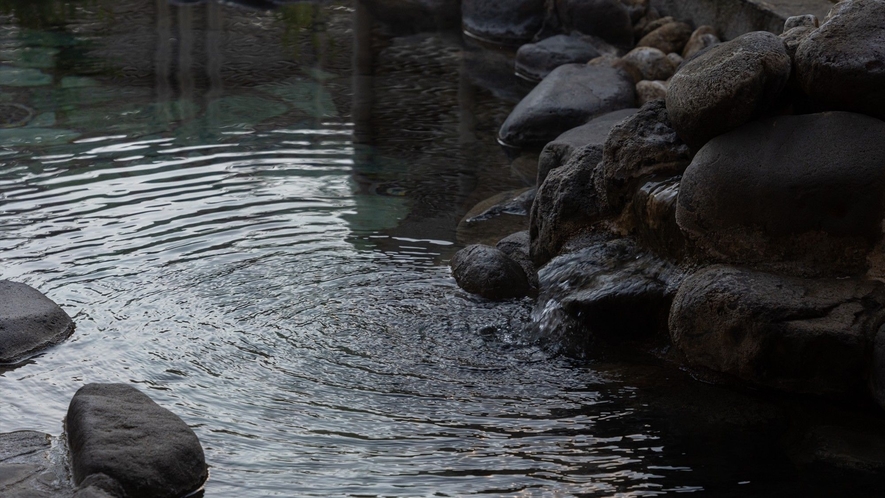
(248, 213)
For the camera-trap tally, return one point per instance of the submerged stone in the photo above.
(570, 96)
(115, 430)
(535, 60)
(504, 21)
(29, 321)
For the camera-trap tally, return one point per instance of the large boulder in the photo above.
(534, 61)
(503, 21)
(800, 335)
(841, 65)
(727, 85)
(607, 19)
(487, 271)
(567, 205)
(801, 193)
(641, 146)
(570, 96)
(594, 133)
(115, 430)
(29, 321)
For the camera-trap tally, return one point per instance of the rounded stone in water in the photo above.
(15, 115)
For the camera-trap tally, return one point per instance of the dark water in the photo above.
(248, 214)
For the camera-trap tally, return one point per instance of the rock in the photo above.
(701, 38)
(613, 288)
(841, 65)
(607, 19)
(487, 271)
(609, 60)
(670, 37)
(570, 96)
(100, 486)
(800, 335)
(803, 193)
(416, 15)
(807, 20)
(534, 61)
(29, 321)
(676, 59)
(654, 212)
(650, 23)
(26, 469)
(651, 63)
(647, 91)
(517, 247)
(794, 37)
(594, 133)
(637, 9)
(637, 148)
(727, 85)
(503, 21)
(496, 216)
(115, 430)
(877, 370)
(566, 206)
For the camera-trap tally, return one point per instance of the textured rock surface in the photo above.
(570, 96)
(639, 147)
(799, 335)
(115, 430)
(29, 321)
(727, 86)
(607, 19)
(517, 247)
(536, 60)
(701, 38)
(670, 37)
(652, 63)
(646, 91)
(504, 21)
(654, 209)
(487, 271)
(841, 65)
(29, 468)
(567, 205)
(808, 190)
(594, 133)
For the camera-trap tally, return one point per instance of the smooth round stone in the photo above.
(535, 60)
(489, 272)
(29, 321)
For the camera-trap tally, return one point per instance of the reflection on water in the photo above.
(248, 214)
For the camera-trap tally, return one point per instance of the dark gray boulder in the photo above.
(115, 430)
(614, 289)
(568, 97)
(800, 335)
(607, 19)
(801, 193)
(671, 37)
(727, 85)
(652, 63)
(503, 21)
(594, 133)
(29, 321)
(488, 272)
(534, 61)
(567, 205)
(841, 65)
(641, 146)
(517, 247)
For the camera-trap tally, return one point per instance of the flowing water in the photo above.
(248, 214)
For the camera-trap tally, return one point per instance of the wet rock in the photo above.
(504, 21)
(799, 335)
(647, 91)
(115, 430)
(416, 15)
(701, 38)
(607, 19)
(841, 65)
(566, 206)
(517, 247)
(535, 60)
(487, 271)
(496, 216)
(609, 60)
(654, 212)
(801, 193)
(29, 321)
(100, 486)
(670, 37)
(637, 148)
(570, 96)
(651, 63)
(615, 289)
(26, 467)
(727, 86)
(594, 133)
